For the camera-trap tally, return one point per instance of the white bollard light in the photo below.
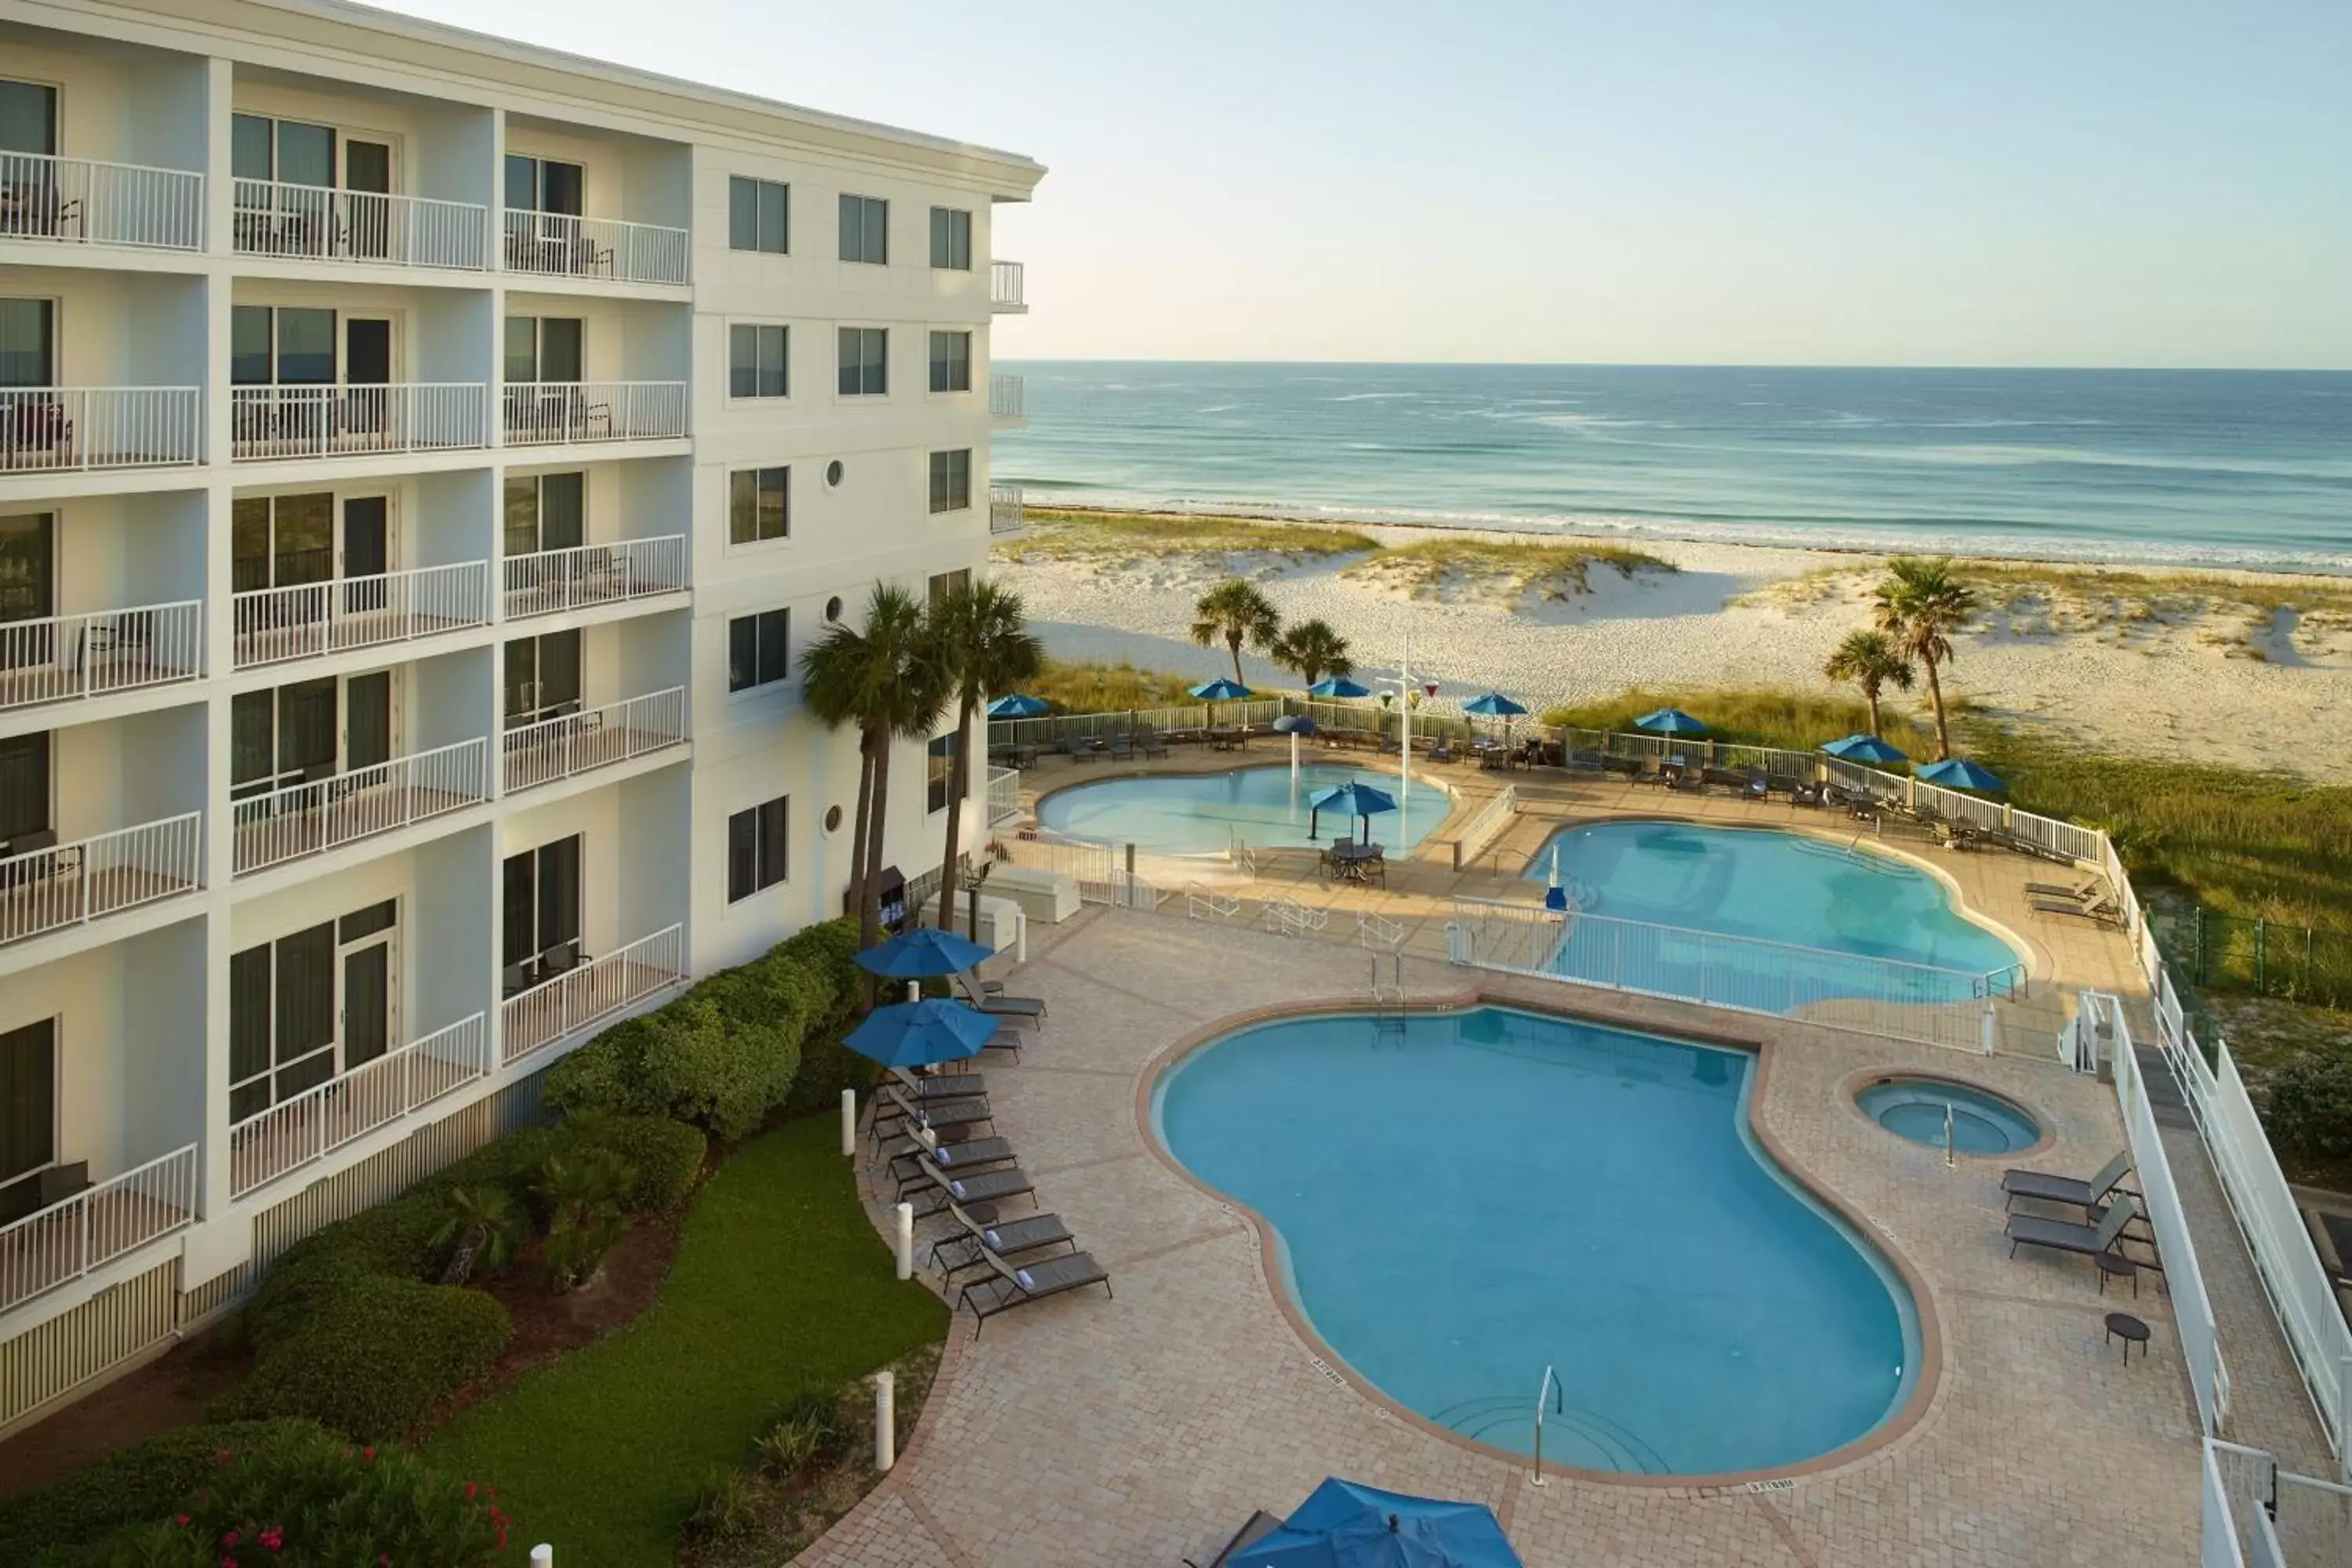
(886, 1420)
(905, 1240)
(543, 1556)
(914, 990)
(849, 1124)
(1991, 1027)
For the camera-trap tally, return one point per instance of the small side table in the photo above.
(2131, 1331)
(2112, 1266)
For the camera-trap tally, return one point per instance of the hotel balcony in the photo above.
(285, 422)
(560, 245)
(566, 413)
(310, 620)
(320, 814)
(308, 1127)
(553, 581)
(59, 659)
(316, 222)
(570, 744)
(82, 201)
(1007, 406)
(56, 428)
(581, 990)
(51, 887)
(1004, 289)
(79, 1226)
(1004, 513)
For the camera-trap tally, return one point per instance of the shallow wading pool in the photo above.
(1202, 813)
(1926, 1110)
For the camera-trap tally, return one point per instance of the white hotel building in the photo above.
(421, 461)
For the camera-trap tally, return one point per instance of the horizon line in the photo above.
(1686, 364)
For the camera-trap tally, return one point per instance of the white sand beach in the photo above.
(2125, 662)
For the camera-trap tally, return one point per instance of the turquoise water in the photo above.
(1197, 814)
(1982, 1123)
(2220, 468)
(1466, 1198)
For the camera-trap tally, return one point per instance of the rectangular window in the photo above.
(951, 479)
(539, 914)
(865, 362)
(866, 230)
(943, 583)
(758, 649)
(28, 1099)
(755, 849)
(755, 360)
(24, 786)
(542, 185)
(758, 215)
(950, 362)
(543, 348)
(939, 770)
(758, 505)
(951, 238)
(289, 346)
(299, 1003)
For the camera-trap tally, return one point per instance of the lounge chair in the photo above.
(1255, 1529)
(988, 1186)
(995, 1003)
(1686, 781)
(2066, 1236)
(1016, 1285)
(2082, 889)
(1758, 786)
(947, 1118)
(948, 1085)
(2048, 1186)
(952, 1255)
(914, 1170)
(2100, 907)
(1807, 794)
(1150, 745)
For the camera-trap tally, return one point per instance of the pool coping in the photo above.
(1854, 1083)
(1898, 1424)
(1457, 802)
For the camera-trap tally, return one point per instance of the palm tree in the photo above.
(1234, 613)
(1920, 604)
(885, 677)
(480, 1227)
(985, 646)
(1313, 650)
(1871, 662)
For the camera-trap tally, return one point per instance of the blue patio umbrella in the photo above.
(1669, 722)
(1354, 799)
(922, 953)
(1016, 705)
(917, 1033)
(1864, 749)
(1346, 1524)
(1494, 705)
(1959, 773)
(1221, 690)
(1338, 685)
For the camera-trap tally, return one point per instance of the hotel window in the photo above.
(25, 795)
(546, 511)
(755, 849)
(308, 729)
(281, 345)
(538, 915)
(544, 186)
(28, 341)
(758, 505)
(755, 360)
(939, 771)
(951, 479)
(951, 238)
(758, 215)
(866, 230)
(543, 677)
(950, 362)
(28, 1114)
(308, 1006)
(758, 649)
(943, 583)
(542, 348)
(865, 362)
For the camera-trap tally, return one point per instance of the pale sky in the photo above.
(1851, 181)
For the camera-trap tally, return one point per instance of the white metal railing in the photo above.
(45, 428)
(1481, 830)
(2216, 1514)
(315, 223)
(557, 244)
(573, 743)
(68, 884)
(1286, 916)
(1748, 975)
(325, 814)
(307, 619)
(550, 581)
(83, 201)
(1006, 397)
(1378, 932)
(98, 651)
(598, 988)
(1005, 514)
(546, 413)
(1004, 286)
(97, 1225)
(1044, 731)
(338, 421)
(314, 1124)
(1004, 795)
(1202, 904)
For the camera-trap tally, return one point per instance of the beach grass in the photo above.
(1507, 570)
(1760, 716)
(1059, 535)
(1084, 687)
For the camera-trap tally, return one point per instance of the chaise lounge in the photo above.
(991, 1186)
(2048, 1186)
(1007, 1239)
(2066, 1236)
(1017, 1285)
(913, 1169)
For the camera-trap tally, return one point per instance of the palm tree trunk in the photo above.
(864, 817)
(1935, 694)
(1234, 644)
(959, 781)
(869, 908)
(1870, 695)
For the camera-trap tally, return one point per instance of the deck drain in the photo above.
(1776, 1484)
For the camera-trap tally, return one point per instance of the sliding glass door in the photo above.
(309, 1006)
(540, 913)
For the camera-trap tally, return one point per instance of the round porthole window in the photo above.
(833, 819)
(832, 609)
(833, 472)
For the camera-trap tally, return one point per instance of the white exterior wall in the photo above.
(142, 996)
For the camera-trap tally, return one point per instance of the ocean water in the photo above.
(2249, 469)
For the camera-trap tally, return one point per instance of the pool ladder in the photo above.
(1388, 996)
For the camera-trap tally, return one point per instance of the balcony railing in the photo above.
(83, 202)
(60, 657)
(553, 581)
(546, 413)
(1004, 283)
(1005, 399)
(95, 1227)
(575, 743)
(90, 878)
(65, 428)
(325, 814)
(1004, 513)
(1004, 795)
(557, 244)
(305, 620)
(315, 1123)
(341, 421)
(316, 223)
(594, 990)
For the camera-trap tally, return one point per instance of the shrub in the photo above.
(666, 1155)
(480, 1228)
(809, 1428)
(144, 1481)
(377, 1354)
(2309, 1105)
(726, 1511)
(583, 1191)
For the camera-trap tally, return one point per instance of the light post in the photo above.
(1406, 685)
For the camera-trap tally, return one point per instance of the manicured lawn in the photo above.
(780, 1287)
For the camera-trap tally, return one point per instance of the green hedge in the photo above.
(131, 1486)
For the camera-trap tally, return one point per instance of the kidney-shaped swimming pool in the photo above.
(1466, 1198)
